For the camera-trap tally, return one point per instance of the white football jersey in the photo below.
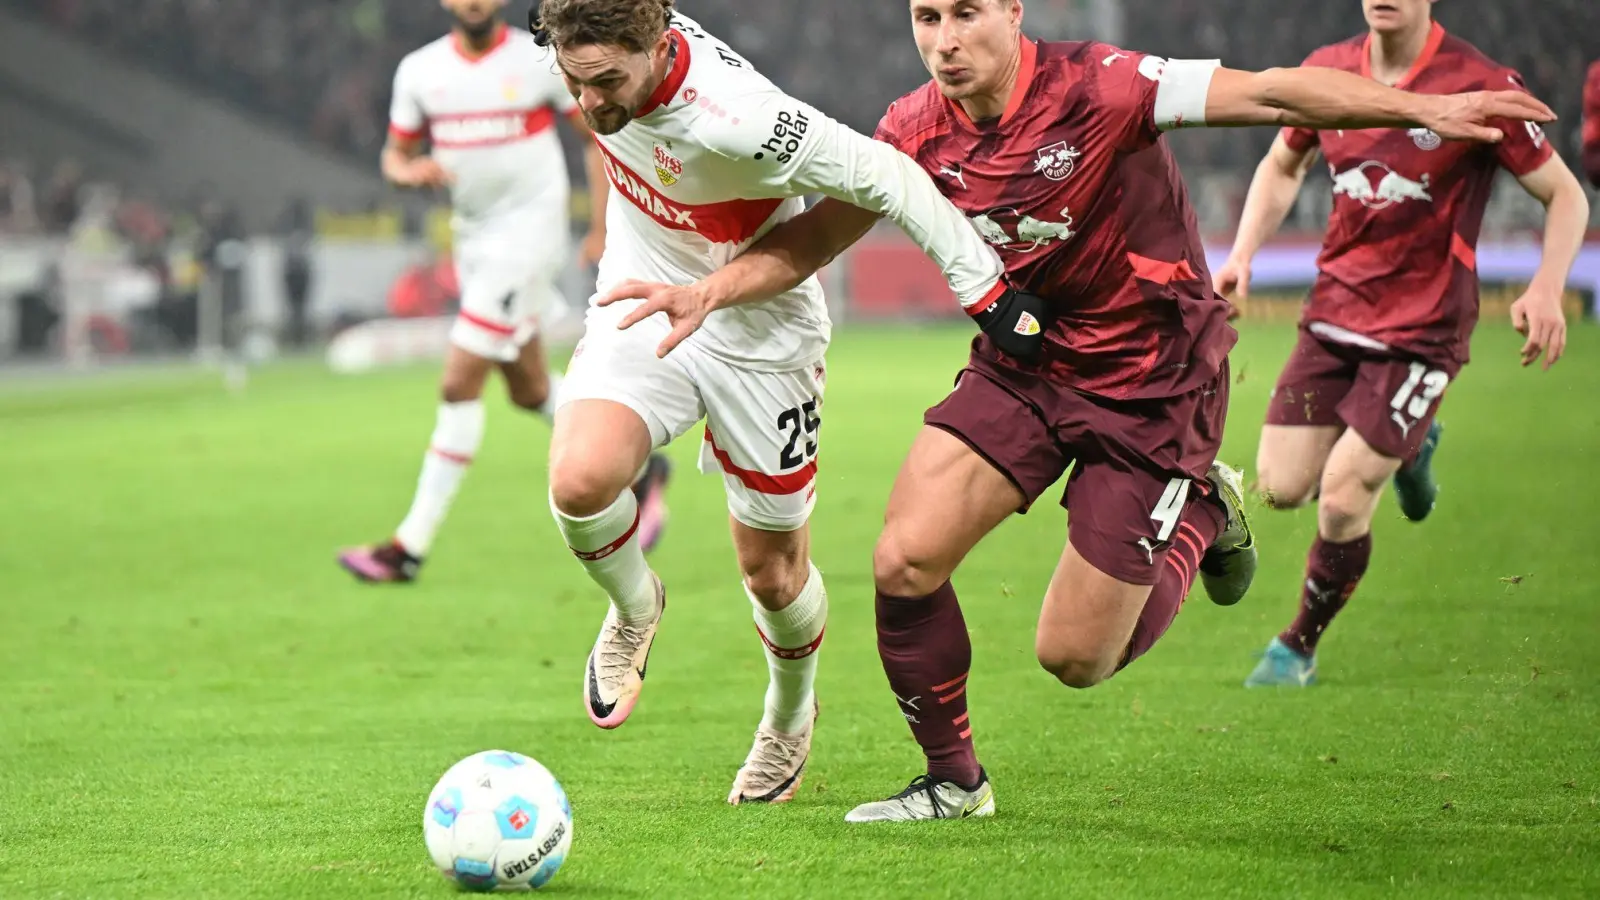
(491, 121)
(717, 157)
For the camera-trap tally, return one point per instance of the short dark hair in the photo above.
(634, 25)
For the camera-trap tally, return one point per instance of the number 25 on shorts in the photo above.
(799, 421)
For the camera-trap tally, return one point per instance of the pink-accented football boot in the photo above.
(651, 492)
(386, 563)
(613, 676)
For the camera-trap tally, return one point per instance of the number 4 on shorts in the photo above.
(1170, 507)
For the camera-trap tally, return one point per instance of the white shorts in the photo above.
(761, 427)
(505, 290)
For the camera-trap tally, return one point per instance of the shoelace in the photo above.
(771, 765)
(923, 784)
(616, 653)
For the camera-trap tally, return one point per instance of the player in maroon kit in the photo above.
(1055, 153)
(1393, 305)
(1591, 125)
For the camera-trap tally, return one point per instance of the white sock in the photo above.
(608, 546)
(456, 438)
(548, 410)
(792, 637)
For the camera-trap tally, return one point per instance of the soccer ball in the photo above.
(498, 821)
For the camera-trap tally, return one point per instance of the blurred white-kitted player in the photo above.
(487, 98)
(705, 155)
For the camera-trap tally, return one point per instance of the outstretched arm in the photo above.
(793, 147)
(788, 254)
(783, 258)
(1321, 98)
(850, 167)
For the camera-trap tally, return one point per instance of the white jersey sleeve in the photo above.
(406, 118)
(791, 146)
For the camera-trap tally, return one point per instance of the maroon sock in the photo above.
(1332, 573)
(927, 653)
(1200, 526)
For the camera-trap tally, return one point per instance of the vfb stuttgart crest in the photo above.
(1056, 161)
(668, 167)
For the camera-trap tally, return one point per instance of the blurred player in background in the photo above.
(1055, 152)
(1591, 125)
(705, 155)
(1392, 310)
(487, 98)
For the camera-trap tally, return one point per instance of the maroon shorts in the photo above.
(1388, 397)
(1136, 464)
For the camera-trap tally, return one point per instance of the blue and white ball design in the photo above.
(498, 821)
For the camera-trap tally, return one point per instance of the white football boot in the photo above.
(925, 798)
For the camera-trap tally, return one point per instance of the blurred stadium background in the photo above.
(180, 175)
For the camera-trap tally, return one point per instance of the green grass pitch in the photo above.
(195, 702)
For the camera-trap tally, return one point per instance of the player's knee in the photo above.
(1345, 505)
(1282, 487)
(460, 388)
(580, 488)
(530, 395)
(1071, 666)
(901, 572)
(776, 579)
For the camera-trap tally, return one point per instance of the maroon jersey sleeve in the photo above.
(1525, 147)
(1125, 88)
(1591, 125)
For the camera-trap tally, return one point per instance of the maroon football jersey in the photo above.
(1399, 260)
(1076, 189)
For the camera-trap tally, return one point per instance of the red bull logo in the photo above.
(1376, 186)
(1008, 229)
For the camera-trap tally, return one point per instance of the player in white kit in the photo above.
(705, 155)
(487, 98)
